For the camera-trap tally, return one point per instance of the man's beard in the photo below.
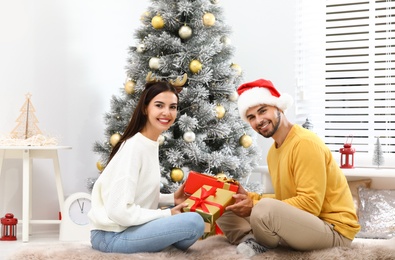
(276, 125)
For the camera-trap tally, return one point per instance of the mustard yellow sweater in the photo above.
(305, 175)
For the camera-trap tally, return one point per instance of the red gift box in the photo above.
(196, 180)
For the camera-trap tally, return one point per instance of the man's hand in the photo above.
(242, 206)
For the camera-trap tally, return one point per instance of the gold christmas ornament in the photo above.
(161, 139)
(185, 32)
(220, 110)
(129, 86)
(99, 166)
(154, 63)
(208, 19)
(144, 16)
(176, 175)
(245, 141)
(195, 66)
(234, 96)
(157, 22)
(189, 136)
(114, 139)
(237, 68)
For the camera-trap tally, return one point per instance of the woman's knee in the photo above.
(194, 219)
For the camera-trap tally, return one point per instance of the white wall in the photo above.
(70, 55)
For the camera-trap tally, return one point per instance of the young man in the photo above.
(312, 206)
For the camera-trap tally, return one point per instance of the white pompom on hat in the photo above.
(261, 92)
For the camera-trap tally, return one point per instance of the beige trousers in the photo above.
(273, 222)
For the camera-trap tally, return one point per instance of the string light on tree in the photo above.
(114, 139)
(176, 175)
(189, 136)
(185, 32)
(208, 19)
(157, 22)
(195, 66)
(220, 111)
(245, 141)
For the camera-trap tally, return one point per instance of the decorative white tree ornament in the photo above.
(27, 121)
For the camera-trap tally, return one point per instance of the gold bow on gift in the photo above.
(226, 180)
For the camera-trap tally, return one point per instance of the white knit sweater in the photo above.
(127, 193)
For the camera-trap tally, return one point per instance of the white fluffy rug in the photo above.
(215, 247)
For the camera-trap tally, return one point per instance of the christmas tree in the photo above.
(187, 43)
(27, 121)
(378, 158)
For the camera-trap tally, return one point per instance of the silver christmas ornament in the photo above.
(233, 97)
(161, 139)
(189, 136)
(225, 40)
(185, 32)
(154, 63)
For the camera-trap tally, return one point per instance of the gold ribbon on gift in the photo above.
(201, 202)
(227, 182)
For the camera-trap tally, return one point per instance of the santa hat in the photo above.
(259, 92)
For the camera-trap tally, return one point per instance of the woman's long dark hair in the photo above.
(139, 118)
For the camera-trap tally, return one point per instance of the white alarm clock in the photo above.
(74, 225)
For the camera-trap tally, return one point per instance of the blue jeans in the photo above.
(180, 231)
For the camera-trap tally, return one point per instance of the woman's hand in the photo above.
(179, 195)
(178, 208)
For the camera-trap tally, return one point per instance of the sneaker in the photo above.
(250, 248)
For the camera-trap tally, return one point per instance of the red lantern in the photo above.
(8, 227)
(347, 156)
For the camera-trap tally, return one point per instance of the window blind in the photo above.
(357, 95)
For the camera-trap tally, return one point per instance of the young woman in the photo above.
(125, 214)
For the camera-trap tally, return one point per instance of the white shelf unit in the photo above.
(382, 178)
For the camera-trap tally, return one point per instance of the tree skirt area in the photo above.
(215, 247)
